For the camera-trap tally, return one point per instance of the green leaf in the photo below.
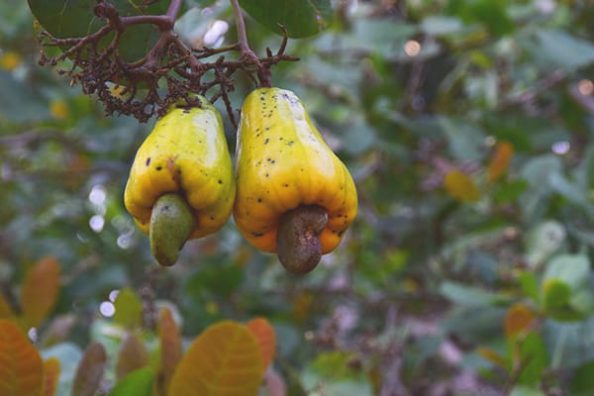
(558, 49)
(534, 353)
(572, 269)
(490, 13)
(76, 18)
(136, 383)
(544, 240)
(128, 309)
(466, 295)
(507, 192)
(301, 18)
(465, 139)
(23, 104)
(582, 382)
(521, 390)
(529, 285)
(556, 294)
(441, 25)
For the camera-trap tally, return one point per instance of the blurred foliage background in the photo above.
(467, 126)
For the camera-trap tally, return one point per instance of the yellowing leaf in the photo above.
(90, 371)
(59, 109)
(51, 375)
(128, 309)
(132, 356)
(40, 291)
(518, 319)
(21, 368)
(499, 164)
(171, 350)
(10, 60)
(224, 360)
(492, 356)
(461, 187)
(5, 310)
(266, 337)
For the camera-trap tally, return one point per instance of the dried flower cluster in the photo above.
(169, 72)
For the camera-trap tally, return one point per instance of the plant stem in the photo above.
(173, 9)
(244, 45)
(247, 54)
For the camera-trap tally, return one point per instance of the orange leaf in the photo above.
(461, 187)
(90, 371)
(224, 360)
(5, 310)
(132, 356)
(51, 375)
(518, 319)
(21, 368)
(40, 291)
(171, 350)
(499, 164)
(266, 337)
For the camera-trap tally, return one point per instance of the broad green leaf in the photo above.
(533, 353)
(21, 368)
(461, 187)
(75, 18)
(464, 138)
(90, 371)
(224, 360)
(136, 383)
(40, 291)
(466, 295)
(334, 365)
(334, 373)
(530, 286)
(23, 104)
(582, 382)
(544, 240)
(558, 49)
(266, 336)
(491, 13)
(509, 191)
(51, 375)
(441, 25)
(171, 350)
(300, 18)
(131, 357)
(556, 294)
(128, 309)
(572, 269)
(521, 390)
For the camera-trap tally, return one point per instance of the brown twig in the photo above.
(169, 72)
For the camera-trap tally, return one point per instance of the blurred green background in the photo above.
(463, 274)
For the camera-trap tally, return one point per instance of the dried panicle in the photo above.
(168, 73)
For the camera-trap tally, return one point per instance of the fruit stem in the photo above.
(298, 244)
(172, 222)
(247, 54)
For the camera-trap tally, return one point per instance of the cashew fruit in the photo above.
(186, 155)
(283, 165)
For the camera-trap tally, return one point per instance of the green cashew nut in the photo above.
(172, 222)
(298, 244)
